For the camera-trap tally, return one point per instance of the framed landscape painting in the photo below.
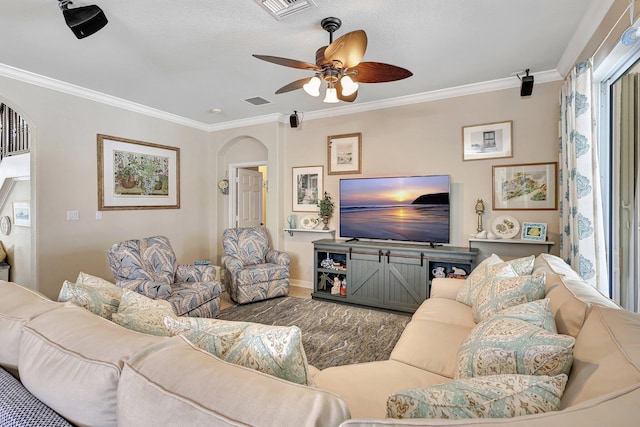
(345, 154)
(487, 141)
(525, 186)
(307, 188)
(137, 175)
(22, 214)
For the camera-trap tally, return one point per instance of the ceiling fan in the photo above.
(339, 65)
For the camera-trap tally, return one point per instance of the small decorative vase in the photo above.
(325, 220)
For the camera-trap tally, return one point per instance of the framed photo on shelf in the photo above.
(22, 214)
(531, 186)
(534, 231)
(487, 141)
(137, 175)
(307, 187)
(345, 153)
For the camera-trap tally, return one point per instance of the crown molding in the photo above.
(454, 92)
(70, 89)
(592, 19)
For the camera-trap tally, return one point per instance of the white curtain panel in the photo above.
(582, 242)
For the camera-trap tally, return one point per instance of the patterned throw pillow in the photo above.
(523, 266)
(504, 292)
(495, 396)
(502, 345)
(535, 312)
(273, 350)
(98, 296)
(143, 314)
(479, 275)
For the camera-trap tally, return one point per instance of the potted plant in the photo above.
(326, 206)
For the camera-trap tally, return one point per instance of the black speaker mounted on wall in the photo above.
(83, 21)
(526, 89)
(294, 120)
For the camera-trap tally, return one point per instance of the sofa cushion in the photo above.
(71, 360)
(274, 350)
(503, 345)
(606, 356)
(503, 292)
(494, 396)
(430, 345)
(445, 310)
(556, 265)
(142, 314)
(535, 312)
(202, 390)
(18, 407)
(571, 298)
(365, 387)
(102, 299)
(478, 275)
(18, 305)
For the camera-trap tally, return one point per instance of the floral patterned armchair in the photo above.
(149, 267)
(256, 272)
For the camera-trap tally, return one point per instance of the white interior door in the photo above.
(249, 198)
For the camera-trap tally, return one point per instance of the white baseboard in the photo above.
(301, 283)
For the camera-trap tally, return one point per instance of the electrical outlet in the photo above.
(73, 215)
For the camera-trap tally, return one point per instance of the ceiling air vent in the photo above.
(282, 8)
(257, 101)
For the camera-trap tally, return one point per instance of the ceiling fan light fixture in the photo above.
(312, 87)
(349, 87)
(331, 96)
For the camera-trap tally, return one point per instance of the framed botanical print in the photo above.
(525, 186)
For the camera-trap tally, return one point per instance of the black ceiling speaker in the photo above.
(83, 21)
(527, 85)
(294, 120)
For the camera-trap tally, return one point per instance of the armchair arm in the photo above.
(277, 257)
(146, 287)
(233, 264)
(196, 273)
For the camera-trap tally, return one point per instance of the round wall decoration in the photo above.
(5, 225)
(223, 185)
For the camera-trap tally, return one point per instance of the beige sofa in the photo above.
(94, 372)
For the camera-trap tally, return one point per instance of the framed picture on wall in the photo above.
(487, 141)
(525, 186)
(22, 214)
(137, 175)
(307, 188)
(345, 154)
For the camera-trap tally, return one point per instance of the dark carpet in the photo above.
(332, 334)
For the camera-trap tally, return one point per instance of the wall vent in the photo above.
(257, 101)
(282, 8)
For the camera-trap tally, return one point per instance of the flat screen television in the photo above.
(407, 208)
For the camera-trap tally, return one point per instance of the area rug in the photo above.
(332, 334)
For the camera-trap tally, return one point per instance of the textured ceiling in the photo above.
(189, 57)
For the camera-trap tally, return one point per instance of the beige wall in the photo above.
(415, 139)
(426, 139)
(64, 172)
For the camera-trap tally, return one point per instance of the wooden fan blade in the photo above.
(341, 97)
(377, 72)
(348, 49)
(293, 63)
(293, 85)
(320, 59)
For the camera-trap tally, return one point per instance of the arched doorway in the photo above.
(17, 207)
